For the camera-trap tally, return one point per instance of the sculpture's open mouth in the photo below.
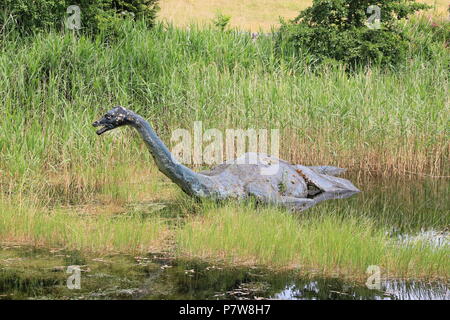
(106, 127)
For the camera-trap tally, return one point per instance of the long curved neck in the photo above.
(188, 180)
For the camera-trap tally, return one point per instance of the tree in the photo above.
(339, 30)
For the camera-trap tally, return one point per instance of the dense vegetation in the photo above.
(95, 15)
(339, 30)
(58, 179)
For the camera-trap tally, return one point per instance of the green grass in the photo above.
(330, 245)
(95, 233)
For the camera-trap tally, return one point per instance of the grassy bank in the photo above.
(328, 244)
(331, 245)
(88, 233)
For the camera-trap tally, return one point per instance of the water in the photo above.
(409, 211)
(404, 206)
(29, 273)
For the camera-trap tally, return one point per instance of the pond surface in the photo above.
(404, 206)
(409, 210)
(29, 273)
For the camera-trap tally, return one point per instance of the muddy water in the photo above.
(409, 210)
(28, 273)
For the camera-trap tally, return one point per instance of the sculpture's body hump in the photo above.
(257, 175)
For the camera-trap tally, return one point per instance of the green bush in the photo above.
(337, 30)
(221, 21)
(96, 15)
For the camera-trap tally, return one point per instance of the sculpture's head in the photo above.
(114, 118)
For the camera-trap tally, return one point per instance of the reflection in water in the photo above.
(430, 237)
(417, 290)
(213, 283)
(38, 274)
(390, 290)
(403, 206)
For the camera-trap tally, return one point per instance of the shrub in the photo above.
(338, 30)
(96, 15)
(221, 21)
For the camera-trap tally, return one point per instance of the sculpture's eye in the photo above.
(108, 116)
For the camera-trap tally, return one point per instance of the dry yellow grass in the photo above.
(247, 15)
(252, 15)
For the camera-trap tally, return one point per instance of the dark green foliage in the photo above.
(337, 30)
(96, 15)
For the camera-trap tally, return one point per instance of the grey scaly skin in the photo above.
(266, 178)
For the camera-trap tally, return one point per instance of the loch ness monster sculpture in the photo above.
(253, 175)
